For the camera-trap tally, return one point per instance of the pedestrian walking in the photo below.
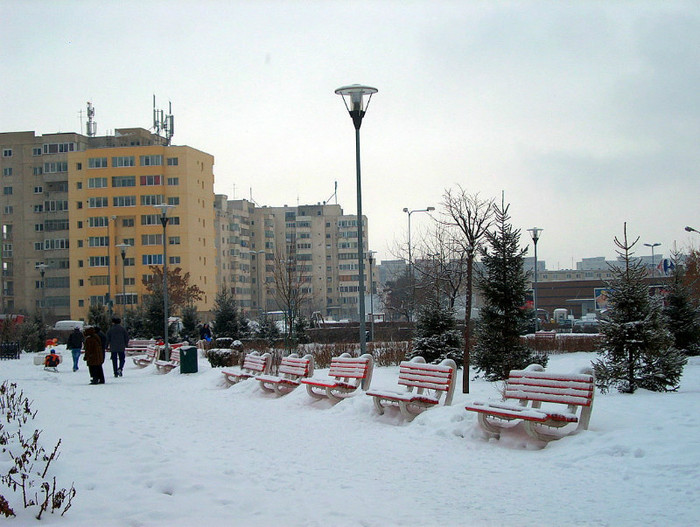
(117, 341)
(94, 355)
(75, 342)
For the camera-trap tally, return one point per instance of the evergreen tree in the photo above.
(301, 324)
(32, 335)
(437, 336)
(268, 330)
(503, 284)
(98, 316)
(189, 323)
(153, 315)
(683, 317)
(636, 349)
(133, 322)
(226, 317)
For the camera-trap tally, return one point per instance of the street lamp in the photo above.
(690, 229)
(109, 270)
(410, 259)
(123, 247)
(164, 207)
(535, 234)
(652, 245)
(42, 269)
(355, 95)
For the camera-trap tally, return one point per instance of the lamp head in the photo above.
(535, 233)
(429, 209)
(354, 99)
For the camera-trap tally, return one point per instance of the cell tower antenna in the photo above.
(163, 122)
(91, 124)
(335, 193)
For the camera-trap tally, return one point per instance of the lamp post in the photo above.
(535, 233)
(42, 269)
(371, 295)
(652, 245)
(355, 95)
(690, 229)
(410, 258)
(123, 247)
(109, 269)
(257, 278)
(164, 221)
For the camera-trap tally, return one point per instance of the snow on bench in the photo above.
(141, 361)
(291, 371)
(254, 364)
(430, 382)
(534, 386)
(166, 366)
(346, 375)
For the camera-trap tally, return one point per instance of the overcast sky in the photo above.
(585, 114)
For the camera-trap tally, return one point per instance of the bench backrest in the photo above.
(573, 389)
(434, 377)
(295, 367)
(140, 343)
(357, 369)
(151, 352)
(255, 363)
(175, 355)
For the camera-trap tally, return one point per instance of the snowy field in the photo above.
(180, 450)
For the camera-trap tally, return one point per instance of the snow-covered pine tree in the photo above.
(636, 349)
(226, 318)
(683, 317)
(503, 284)
(437, 336)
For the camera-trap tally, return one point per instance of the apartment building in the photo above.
(107, 190)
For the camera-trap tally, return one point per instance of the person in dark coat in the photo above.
(117, 340)
(94, 356)
(74, 344)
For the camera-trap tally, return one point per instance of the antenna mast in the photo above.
(91, 125)
(164, 122)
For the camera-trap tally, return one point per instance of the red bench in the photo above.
(254, 364)
(139, 346)
(533, 386)
(166, 366)
(291, 371)
(141, 361)
(346, 375)
(430, 382)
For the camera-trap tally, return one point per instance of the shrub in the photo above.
(222, 357)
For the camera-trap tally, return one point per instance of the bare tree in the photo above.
(472, 217)
(293, 288)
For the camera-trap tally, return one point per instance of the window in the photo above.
(174, 200)
(173, 181)
(152, 259)
(150, 219)
(172, 161)
(128, 222)
(151, 180)
(124, 181)
(175, 220)
(7, 171)
(78, 166)
(36, 151)
(98, 241)
(98, 261)
(38, 208)
(7, 191)
(174, 240)
(97, 221)
(37, 171)
(97, 182)
(58, 166)
(151, 239)
(9, 209)
(95, 203)
(7, 250)
(97, 162)
(58, 243)
(38, 190)
(124, 201)
(128, 241)
(38, 227)
(99, 280)
(7, 152)
(151, 161)
(152, 199)
(123, 161)
(173, 260)
(59, 148)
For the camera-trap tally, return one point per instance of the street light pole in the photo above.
(42, 269)
(410, 258)
(164, 221)
(123, 247)
(371, 295)
(652, 245)
(535, 233)
(355, 94)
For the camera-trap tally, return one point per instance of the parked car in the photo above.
(586, 326)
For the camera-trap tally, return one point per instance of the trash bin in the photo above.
(188, 359)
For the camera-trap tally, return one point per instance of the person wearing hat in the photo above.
(94, 356)
(75, 342)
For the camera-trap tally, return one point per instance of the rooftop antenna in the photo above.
(164, 122)
(91, 124)
(335, 193)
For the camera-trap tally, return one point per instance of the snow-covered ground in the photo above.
(179, 450)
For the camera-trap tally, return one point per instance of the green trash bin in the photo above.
(188, 359)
